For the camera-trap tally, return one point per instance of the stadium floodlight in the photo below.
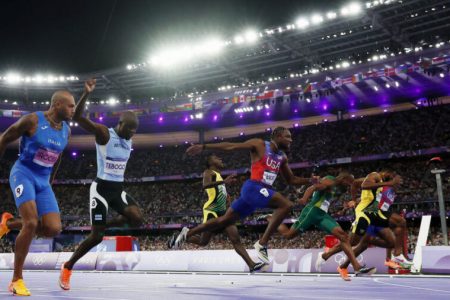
(129, 67)
(27, 79)
(345, 64)
(331, 15)
(211, 46)
(316, 19)
(351, 9)
(239, 39)
(13, 78)
(251, 36)
(302, 23)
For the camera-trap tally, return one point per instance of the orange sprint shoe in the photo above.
(344, 273)
(392, 264)
(3, 227)
(18, 288)
(64, 278)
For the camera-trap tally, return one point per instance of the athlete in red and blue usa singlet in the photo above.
(257, 191)
(266, 169)
(268, 159)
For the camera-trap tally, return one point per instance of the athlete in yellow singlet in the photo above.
(216, 206)
(369, 186)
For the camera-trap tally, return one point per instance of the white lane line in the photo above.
(411, 287)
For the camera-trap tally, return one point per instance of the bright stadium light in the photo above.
(212, 46)
(316, 19)
(302, 23)
(239, 39)
(351, 9)
(345, 64)
(251, 36)
(13, 78)
(331, 15)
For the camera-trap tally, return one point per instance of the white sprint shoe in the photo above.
(181, 238)
(319, 262)
(262, 252)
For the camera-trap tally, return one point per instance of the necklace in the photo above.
(53, 123)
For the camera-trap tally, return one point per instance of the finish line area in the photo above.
(208, 285)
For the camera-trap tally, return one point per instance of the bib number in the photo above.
(45, 157)
(325, 205)
(115, 167)
(269, 177)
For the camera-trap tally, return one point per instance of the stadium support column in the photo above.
(201, 136)
(440, 194)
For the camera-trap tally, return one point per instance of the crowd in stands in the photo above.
(391, 132)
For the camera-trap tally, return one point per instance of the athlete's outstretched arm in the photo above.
(101, 131)
(208, 183)
(291, 179)
(251, 145)
(308, 193)
(24, 125)
(373, 180)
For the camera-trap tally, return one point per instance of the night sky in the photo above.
(79, 36)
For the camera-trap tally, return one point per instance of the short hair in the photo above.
(277, 131)
(343, 174)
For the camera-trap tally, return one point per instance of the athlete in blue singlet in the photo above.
(268, 159)
(113, 151)
(44, 135)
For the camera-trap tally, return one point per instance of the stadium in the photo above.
(241, 150)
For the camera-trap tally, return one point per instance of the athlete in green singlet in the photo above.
(316, 213)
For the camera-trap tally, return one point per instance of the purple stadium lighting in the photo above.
(241, 133)
(186, 119)
(100, 119)
(296, 125)
(216, 138)
(215, 118)
(385, 110)
(186, 142)
(160, 119)
(325, 107)
(268, 113)
(160, 146)
(268, 129)
(241, 116)
(74, 154)
(353, 116)
(295, 110)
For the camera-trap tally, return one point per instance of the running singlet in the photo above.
(112, 158)
(367, 198)
(385, 196)
(266, 169)
(322, 199)
(41, 151)
(217, 196)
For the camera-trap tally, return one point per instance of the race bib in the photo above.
(112, 167)
(269, 177)
(45, 157)
(325, 205)
(385, 206)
